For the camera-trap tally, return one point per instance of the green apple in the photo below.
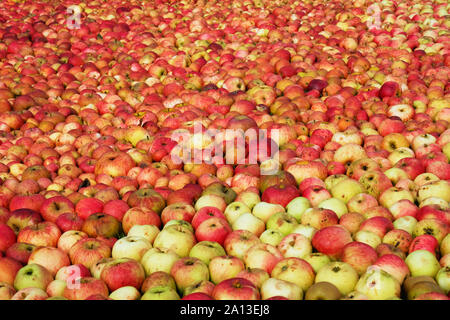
(206, 250)
(159, 259)
(443, 279)
(346, 189)
(125, 293)
(264, 210)
(161, 293)
(272, 237)
(341, 274)
(377, 284)
(297, 206)
(334, 179)
(393, 195)
(181, 223)
(334, 204)
(317, 260)
(368, 237)
(307, 231)
(407, 223)
(234, 210)
(147, 231)
(422, 263)
(32, 276)
(439, 189)
(282, 222)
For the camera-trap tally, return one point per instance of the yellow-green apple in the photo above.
(359, 255)
(88, 286)
(295, 270)
(53, 207)
(377, 284)
(282, 222)
(207, 250)
(346, 189)
(213, 229)
(331, 240)
(340, 274)
(159, 259)
(274, 287)
(238, 242)
(188, 271)
(132, 247)
(264, 210)
(422, 263)
(263, 256)
(101, 225)
(30, 294)
(367, 237)
(236, 289)
(375, 182)
(317, 260)
(440, 189)
(123, 272)
(307, 231)
(125, 293)
(247, 221)
(443, 279)
(176, 238)
(88, 251)
(334, 204)
(393, 195)
(234, 210)
(42, 234)
(179, 211)
(334, 179)
(224, 267)
(396, 175)
(140, 216)
(51, 258)
(32, 276)
(181, 223)
(8, 269)
(249, 197)
(147, 231)
(161, 293)
(407, 223)
(400, 153)
(445, 245)
(220, 189)
(297, 206)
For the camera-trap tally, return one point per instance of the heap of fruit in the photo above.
(94, 205)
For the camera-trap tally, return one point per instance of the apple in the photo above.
(158, 278)
(53, 259)
(69, 238)
(331, 240)
(295, 270)
(317, 260)
(263, 256)
(101, 225)
(133, 247)
(161, 293)
(264, 210)
(297, 206)
(422, 263)
(238, 242)
(122, 272)
(32, 276)
(148, 232)
(30, 294)
(377, 284)
(176, 238)
(207, 250)
(394, 265)
(187, 271)
(69, 221)
(234, 210)
(224, 267)
(6, 291)
(88, 287)
(213, 229)
(125, 293)
(139, 216)
(359, 255)
(295, 245)
(88, 251)
(236, 289)
(42, 234)
(53, 207)
(273, 287)
(159, 259)
(340, 274)
(8, 269)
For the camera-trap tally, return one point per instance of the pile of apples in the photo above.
(94, 205)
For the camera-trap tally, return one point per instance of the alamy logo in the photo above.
(74, 19)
